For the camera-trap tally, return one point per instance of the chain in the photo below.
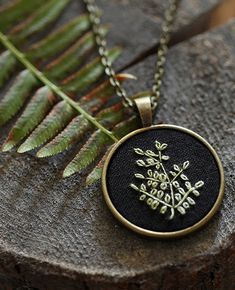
(94, 15)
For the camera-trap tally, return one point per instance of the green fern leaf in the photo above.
(57, 119)
(126, 126)
(49, 46)
(97, 142)
(16, 10)
(120, 130)
(7, 64)
(76, 129)
(25, 83)
(33, 114)
(41, 19)
(60, 39)
(89, 74)
(41, 112)
(16, 96)
(65, 64)
(96, 173)
(88, 153)
(69, 136)
(104, 90)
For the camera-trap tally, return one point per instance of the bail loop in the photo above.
(144, 107)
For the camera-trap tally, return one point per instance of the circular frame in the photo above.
(155, 234)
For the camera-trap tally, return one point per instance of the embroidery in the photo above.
(168, 191)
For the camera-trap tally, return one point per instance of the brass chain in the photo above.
(169, 16)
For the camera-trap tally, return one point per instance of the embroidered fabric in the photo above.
(181, 147)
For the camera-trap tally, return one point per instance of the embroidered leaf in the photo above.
(199, 184)
(155, 205)
(150, 153)
(191, 201)
(163, 209)
(176, 167)
(142, 197)
(138, 175)
(140, 163)
(181, 210)
(186, 165)
(184, 177)
(163, 146)
(169, 191)
(181, 190)
(135, 187)
(185, 205)
(177, 196)
(196, 193)
(139, 151)
(164, 157)
(176, 184)
(167, 198)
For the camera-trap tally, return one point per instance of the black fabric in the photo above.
(181, 147)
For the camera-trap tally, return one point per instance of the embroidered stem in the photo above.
(159, 187)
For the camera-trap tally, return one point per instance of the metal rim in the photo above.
(155, 234)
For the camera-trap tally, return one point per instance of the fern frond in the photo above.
(125, 127)
(88, 153)
(7, 64)
(96, 173)
(16, 10)
(34, 113)
(120, 130)
(44, 119)
(58, 118)
(65, 64)
(105, 89)
(59, 40)
(89, 74)
(69, 136)
(97, 142)
(76, 129)
(26, 82)
(38, 21)
(51, 45)
(16, 96)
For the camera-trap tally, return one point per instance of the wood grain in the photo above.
(59, 234)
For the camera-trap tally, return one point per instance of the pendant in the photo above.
(163, 181)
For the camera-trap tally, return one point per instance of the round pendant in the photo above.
(163, 181)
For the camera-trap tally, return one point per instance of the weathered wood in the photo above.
(58, 234)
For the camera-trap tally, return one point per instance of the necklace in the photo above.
(161, 180)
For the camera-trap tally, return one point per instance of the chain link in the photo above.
(94, 16)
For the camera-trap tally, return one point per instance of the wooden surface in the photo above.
(59, 234)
